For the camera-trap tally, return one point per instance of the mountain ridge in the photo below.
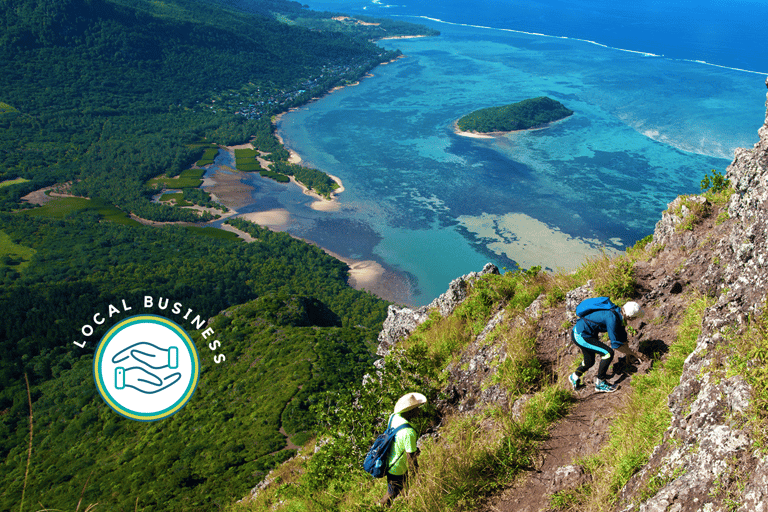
(702, 280)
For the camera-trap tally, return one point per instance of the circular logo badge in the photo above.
(146, 368)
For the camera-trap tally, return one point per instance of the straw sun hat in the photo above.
(409, 401)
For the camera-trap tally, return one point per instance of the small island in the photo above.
(524, 115)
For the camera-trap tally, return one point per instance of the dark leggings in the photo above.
(395, 484)
(590, 348)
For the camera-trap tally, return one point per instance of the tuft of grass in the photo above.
(614, 277)
(477, 455)
(16, 181)
(643, 419)
(521, 371)
(13, 255)
(62, 207)
(750, 360)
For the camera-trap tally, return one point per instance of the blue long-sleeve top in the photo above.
(591, 325)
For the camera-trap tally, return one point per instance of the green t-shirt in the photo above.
(405, 442)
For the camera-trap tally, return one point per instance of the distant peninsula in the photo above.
(523, 115)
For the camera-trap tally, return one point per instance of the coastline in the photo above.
(364, 275)
(474, 135)
(493, 135)
(226, 187)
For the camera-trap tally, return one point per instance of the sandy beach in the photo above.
(475, 135)
(371, 276)
(364, 275)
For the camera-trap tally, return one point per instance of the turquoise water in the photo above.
(433, 205)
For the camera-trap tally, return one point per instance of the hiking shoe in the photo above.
(604, 387)
(575, 381)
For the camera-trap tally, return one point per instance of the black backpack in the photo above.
(375, 461)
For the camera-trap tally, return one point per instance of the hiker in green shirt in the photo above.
(403, 453)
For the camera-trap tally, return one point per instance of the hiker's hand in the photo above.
(630, 356)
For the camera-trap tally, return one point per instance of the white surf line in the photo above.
(645, 54)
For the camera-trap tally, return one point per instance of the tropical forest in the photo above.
(106, 103)
(523, 115)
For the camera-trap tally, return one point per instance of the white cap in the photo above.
(632, 310)
(410, 401)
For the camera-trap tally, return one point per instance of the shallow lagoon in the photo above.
(434, 205)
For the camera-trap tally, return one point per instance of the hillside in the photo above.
(108, 94)
(504, 431)
(100, 101)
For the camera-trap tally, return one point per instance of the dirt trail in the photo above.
(586, 427)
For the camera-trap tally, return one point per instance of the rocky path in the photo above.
(586, 427)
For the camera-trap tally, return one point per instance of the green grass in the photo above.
(13, 255)
(6, 108)
(750, 360)
(62, 207)
(8, 183)
(189, 178)
(208, 155)
(471, 460)
(641, 422)
(177, 197)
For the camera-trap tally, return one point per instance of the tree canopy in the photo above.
(107, 99)
(526, 114)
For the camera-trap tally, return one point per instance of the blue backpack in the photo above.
(593, 304)
(375, 461)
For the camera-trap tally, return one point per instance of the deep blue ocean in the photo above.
(663, 92)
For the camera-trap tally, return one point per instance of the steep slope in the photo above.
(709, 456)
(505, 432)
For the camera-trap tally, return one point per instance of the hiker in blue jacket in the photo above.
(403, 453)
(585, 335)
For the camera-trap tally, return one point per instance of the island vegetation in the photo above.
(523, 115)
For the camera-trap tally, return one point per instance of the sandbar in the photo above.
(373, 277)
(228, 189)
(364, 275)
(530, 242)
(278, 219)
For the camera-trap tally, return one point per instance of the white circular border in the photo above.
(104, 389)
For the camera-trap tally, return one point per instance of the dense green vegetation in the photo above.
(301, 330)
(70, 119)
(530, 113)
(313, 179)
(280, 170)
(122, 99)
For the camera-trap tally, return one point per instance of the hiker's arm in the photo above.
(624, 349)
(616, 331)
(413, 459)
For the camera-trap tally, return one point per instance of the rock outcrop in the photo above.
(401, 322)
(707, 458)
